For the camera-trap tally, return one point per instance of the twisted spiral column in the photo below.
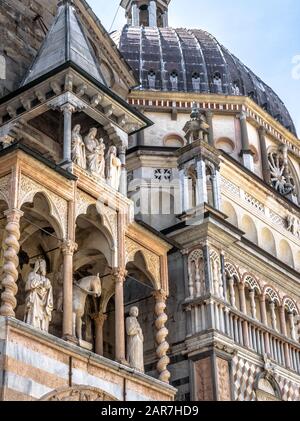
(11, 263)
(161, 334)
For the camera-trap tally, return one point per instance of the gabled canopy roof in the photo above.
(65, 42)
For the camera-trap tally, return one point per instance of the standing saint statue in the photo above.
(135, 341)
(78, 148)
(95, 153)
(113, 168)
(39, 299)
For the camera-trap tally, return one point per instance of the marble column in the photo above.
(244, 310)
(135, 13)
(232, 292)
(209, 118)
(263, 310)
(243, 306)
(264, 155)
(216, 185)
(184, 189)
(123, 180)
(152, 9)
(273, 316)
(292, 326)
(165, 19)
(246, 153)
(67, 110)
(99, 322)
(283, 327)
(68, 249)
(11, 263)
(201, 183)
(119, 278)
(252, 303)
(161, 335)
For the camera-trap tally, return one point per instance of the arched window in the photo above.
(174, 80)
(196, 81)
(266, 388)
(152, 79)
(217, 81)
(144, 15)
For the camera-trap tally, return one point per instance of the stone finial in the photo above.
(197, 128)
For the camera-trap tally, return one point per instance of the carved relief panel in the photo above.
(203, 380)
(223, 376)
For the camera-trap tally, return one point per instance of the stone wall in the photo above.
(36, 364)
(21, 28)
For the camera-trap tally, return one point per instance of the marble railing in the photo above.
(245, 331)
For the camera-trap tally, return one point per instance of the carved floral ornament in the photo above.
(78, 394)
(280, 173)
(5, 188)
(151, 259)
(58, 206)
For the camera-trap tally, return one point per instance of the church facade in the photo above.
(149, 213)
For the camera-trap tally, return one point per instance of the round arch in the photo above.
(230, 211)
(285, 253)
(267, 241)
(249, 227)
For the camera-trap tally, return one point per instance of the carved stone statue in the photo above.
(78, 148)
(91, 285)
(135, 341)
(113, 168)
(39, 299)
(196, 128)
(95, 153)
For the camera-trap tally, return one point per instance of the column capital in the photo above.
(119, 274)
(241, 286)
(13, 215)
(122, 149)
(69, 247)
(67, 101)
(185, 252)
(160, 295)
(99, 317)
(68, 108)
(243, 115)
(262, 130)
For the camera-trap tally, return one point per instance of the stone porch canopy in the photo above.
(68, 76)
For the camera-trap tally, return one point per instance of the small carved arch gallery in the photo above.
(267, 388)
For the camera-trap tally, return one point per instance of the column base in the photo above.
(66, 165)
(70, 338)
(247, 157)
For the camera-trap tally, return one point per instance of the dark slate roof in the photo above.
(190, 52)
(65, 42)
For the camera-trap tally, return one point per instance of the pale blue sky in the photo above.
(264, 34)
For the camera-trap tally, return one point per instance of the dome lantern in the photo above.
(148, 13)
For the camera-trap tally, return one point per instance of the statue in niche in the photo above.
(95, 153)
(78, 148)
(113, 168)
(135, 341)
(90, 285)
(39, 298)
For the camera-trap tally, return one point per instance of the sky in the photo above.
(264, 34)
